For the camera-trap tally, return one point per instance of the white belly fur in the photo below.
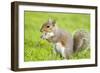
(59, 48)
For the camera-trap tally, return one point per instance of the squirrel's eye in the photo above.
(48, 26)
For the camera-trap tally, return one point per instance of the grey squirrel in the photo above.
(64, 43)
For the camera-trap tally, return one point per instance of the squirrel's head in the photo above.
(47, 29)
(48, 26)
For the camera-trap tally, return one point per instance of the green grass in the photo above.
(36, 49)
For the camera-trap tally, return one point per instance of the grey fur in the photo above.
(58, 34)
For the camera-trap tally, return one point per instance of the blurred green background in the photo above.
(36, 49)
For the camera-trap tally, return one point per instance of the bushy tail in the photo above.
(81, 40)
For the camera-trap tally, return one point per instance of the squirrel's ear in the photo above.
(50, 20)
(54, 22)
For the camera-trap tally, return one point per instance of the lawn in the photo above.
(36, 49)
